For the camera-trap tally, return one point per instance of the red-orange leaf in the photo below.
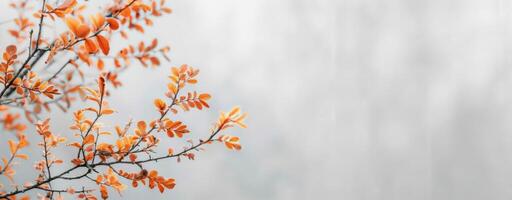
(114, 24)
(104, 192)
(11, 50)
(91, 46)
(103, 43)
(204, 96)
(77, 161)
(82, 31)
(133, 157)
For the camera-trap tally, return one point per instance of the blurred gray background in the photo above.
(348, 99)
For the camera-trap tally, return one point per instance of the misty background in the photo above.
(348, 99)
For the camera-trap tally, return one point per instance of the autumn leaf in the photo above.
(231, 142)
(113, 23)
(133, 157)
(160, 105)
(22, 156)
(104, 192)
(107, 111)
(98, 21)
(12, 146)
(91, 46)
(103, 43)
(104, 158)
(72, 24)
(11, 50)
(88, 139)
(204, 96)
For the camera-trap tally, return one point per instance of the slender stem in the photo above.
(43, 51)
(9, 162)
(61, 68)
(37, 185)
(194, 147)
(47, 163)
(30, 55)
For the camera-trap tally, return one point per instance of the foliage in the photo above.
(42, 71)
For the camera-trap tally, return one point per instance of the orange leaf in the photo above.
(76, 161)
(104, 192)
(154, 61)
(100, 64)
(72, 24)
(133, 157)
(98, 20)
(169, 183)
(66, 4)
(107, 111)
(160, 104)
(11, 50)
(204, 103)
(103, 43)
(82, 31)
(12, 146)
(89, 156)
(204, 96)
(22, 156)
(101, 85)
(75, 144)
(153, 173)
(91, 46)
(89, 139)
(114, 24)
(141, 125)
(161, 188)
(167, 10)
(126, 12)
